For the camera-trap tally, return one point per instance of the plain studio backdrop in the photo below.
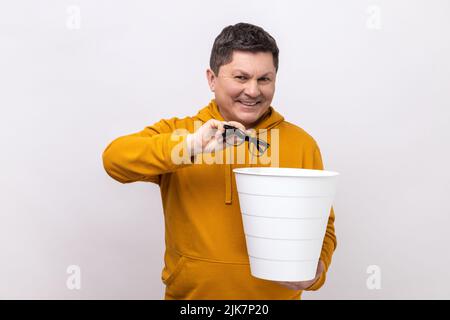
(369, 80)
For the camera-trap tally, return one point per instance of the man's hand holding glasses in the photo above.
(216, 135)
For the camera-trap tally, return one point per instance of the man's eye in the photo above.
(240, 77)
(264, 79)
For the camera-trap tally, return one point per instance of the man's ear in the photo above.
(211, 79)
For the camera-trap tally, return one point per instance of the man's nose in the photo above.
(252, 89)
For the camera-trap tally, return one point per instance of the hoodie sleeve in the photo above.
(329, 242)
(148, 154)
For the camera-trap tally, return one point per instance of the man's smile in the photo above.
(249, 103)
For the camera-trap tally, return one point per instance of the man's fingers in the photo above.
(291, 285)
(237, 125)
(251, 132)
(214, 127)
(216, 124)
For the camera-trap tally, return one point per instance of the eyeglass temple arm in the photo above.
(258, 142)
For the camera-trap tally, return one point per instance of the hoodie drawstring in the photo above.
(228, 176)
(228, 179)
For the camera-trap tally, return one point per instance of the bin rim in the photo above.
(285, 172)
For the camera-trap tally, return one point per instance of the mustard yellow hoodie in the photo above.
(206, 255)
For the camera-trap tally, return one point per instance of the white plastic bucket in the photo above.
(285, 214)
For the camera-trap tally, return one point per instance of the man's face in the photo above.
(244, 88)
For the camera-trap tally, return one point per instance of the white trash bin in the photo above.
(285, 214)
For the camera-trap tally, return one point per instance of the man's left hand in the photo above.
(302, 285)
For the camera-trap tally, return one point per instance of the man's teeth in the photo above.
(248, 104)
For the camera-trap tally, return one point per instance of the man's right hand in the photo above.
(208, 137)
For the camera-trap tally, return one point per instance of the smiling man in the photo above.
(206, 255)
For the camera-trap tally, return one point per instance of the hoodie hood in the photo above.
(270, 119)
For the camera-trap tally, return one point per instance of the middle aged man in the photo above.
(206, 255)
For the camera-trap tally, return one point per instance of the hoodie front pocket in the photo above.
(197, 279)
(168, 276)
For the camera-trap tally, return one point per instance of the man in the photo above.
(206, 256)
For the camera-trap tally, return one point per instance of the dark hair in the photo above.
(243, 37)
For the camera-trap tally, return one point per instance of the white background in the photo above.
(369, 80)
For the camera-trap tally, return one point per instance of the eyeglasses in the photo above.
(238, 137)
